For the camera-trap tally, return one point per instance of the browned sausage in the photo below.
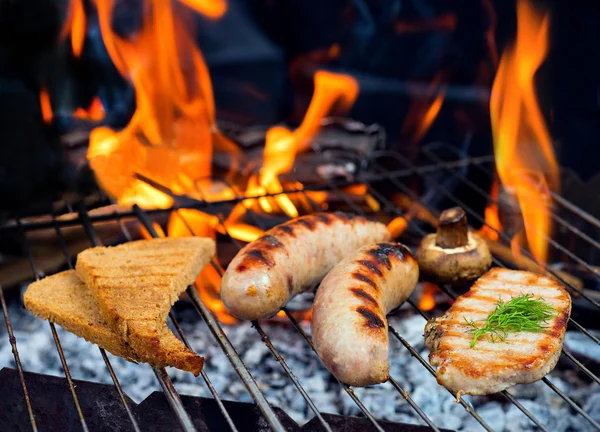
(349, 327)
(292, 258)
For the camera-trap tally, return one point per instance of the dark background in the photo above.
(262, 55)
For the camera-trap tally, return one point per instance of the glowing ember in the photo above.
(522, 144)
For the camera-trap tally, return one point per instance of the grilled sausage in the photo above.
(291, 258)
(349, 327)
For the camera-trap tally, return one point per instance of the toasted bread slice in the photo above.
(135, 284)
(64, 299)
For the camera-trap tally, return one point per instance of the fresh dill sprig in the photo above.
(521, 313)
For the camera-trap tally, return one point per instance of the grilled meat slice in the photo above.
(490, 367)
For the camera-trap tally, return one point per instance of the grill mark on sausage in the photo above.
(371, 318)
(381, 253)
(307, 222)
(371, 267)
(346, 217)
(257, 255)
(361, 277)
(324, 218)
(241, 268)
(271, 241)
(365, 295)
(290, 284)
(287, 229)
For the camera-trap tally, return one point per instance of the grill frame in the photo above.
(374, 173)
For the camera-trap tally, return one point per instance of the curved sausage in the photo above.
(349, 327)
(291, 258)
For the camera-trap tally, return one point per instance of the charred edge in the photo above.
(271, 242)
(371, 318)
(371, 267)
(559, 325)
(290, 284)
(241, 268)
(365, 279)
(381, 253)
(260, 257)
(365, 295)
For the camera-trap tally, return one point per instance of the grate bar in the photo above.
(15, 351)
(434, 212)
(223, 341)
(61, 353)
(203, 373)
(278, 357)
(470, 211)
(161, 374)
(467, 407)
(111, 371)
(557, 218)
(348, 389)
(264, 336)
(553, 242)
(573, 405)
(412, 403)
(474, 214)
(507, 395)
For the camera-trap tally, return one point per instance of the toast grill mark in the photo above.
(361, 277)
(371, 318)
(364, 295)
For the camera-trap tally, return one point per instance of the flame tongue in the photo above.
(171, 132)
(524, 153)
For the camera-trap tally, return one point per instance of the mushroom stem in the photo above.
(452, 230)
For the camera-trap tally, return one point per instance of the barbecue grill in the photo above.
(379, 179)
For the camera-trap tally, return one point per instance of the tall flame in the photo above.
(172, 130)
(523, 148)
(75, 26)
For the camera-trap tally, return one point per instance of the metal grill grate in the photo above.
(375, 173)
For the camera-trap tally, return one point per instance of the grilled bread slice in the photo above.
(64, 299)
(135, 284)
(489, 366)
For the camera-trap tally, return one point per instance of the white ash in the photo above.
(38, 354)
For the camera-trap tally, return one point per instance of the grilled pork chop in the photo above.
(490, 367)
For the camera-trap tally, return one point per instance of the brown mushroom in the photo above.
(453, 254)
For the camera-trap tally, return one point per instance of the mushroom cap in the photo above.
(460, 264)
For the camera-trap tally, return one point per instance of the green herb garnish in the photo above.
(521, 313)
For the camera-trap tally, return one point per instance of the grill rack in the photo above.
(376, 172)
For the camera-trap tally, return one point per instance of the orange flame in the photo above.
(422, 113)
(94, 112)
(492, 218)
(427, 300)
(46, 106)
(212, 9)
(172, 130)
(75, 25)
(282, 145)
(522, 144)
